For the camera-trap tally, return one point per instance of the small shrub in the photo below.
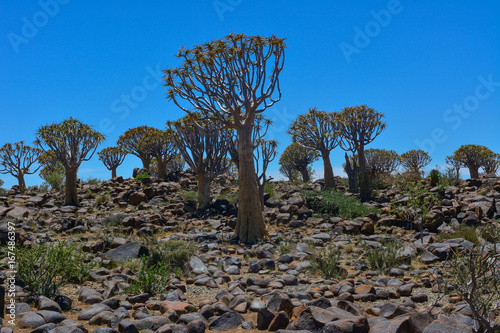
(327, 264)
(434, 177)
(190, 195)
(382, 258)
(141, 176)
(490, 233)
(270, 188)
(100, 199)
(285, 247)
(56, 179)
(151, 279)
(93, 181)
(47, 267)
(467, 233)
(337, 204)
(174, 255)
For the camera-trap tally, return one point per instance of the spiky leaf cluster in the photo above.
(414, 160)
(315, 130)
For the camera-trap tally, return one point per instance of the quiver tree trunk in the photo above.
(161, 168)
(71, 193)
(113, 172)
(352, 174)
(305, 175)
(364, 183)
(328, 170)
(22, 184)
(146, 162)
(204, 199)
(474, 171)
(250, 226)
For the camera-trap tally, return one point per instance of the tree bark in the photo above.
(474, 171)
(352, 174)
(328, 170)
(305, 175)
(113, 172)
(71, 193)
(146, 162)
(161, 168)
(204, 199)
(250, 227)
(364, 184)
(22, 184)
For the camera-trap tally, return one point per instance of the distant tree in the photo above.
(130, 142)
(159, 144)
(72, 142)
(455, 164)
(491, 164)
(415, 160)
(232, 80)
(317, 130)
(204, 146)
(52, 171)
(18, 159)
(358, 127)
(112, 157)
(265, 153)
(473, 157)
(176, 164)
(381, 161)
(297, 157)
(1, 183)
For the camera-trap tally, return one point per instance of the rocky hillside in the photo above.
(331, 264)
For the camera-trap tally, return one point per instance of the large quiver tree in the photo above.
(358, 127)
(71, 142)
(232, 80)
(112, 157)
(204, 146)
(473, 157)
(18, 159)
(161, 146)
(317, 130)
(130, 142)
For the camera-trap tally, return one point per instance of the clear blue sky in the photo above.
(432, 67)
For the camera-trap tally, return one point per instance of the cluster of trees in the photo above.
(224, 87)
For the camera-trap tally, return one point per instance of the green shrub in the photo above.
(93, 181)
(190, 195)
(382, 258)
(490, 233)
(173, 255)
(467, 233)
(100, 199)
(270, 188)
(327, 264)
(151, 279)
(47, 267)
(335, 203)
(434, 177)
(141, 176)
(56, 179)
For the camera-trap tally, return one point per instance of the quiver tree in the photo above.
(130, 142)
(160, 145)
(381, 161)
(455, 164)
(112, 157)
(414, 160)
(491, 164)
(351, 169)
(473, 157)
(297, 157)
(264, 153)
(232, 80)
(204, 146)
(71, 142)
(359, 126)
(18, 159)
(317, 130)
